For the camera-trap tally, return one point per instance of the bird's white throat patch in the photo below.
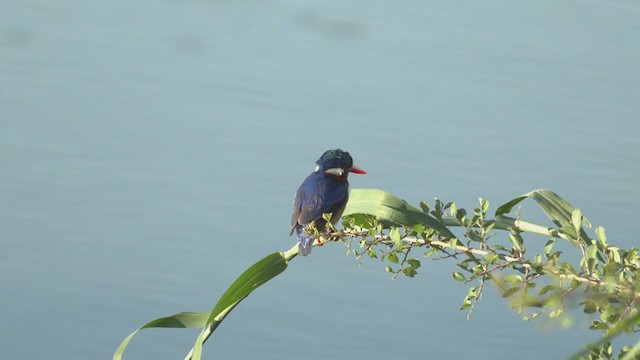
(335, 171)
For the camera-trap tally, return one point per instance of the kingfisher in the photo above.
(326, 190)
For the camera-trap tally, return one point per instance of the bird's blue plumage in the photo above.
(321, 192)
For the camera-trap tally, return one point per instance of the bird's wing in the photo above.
(301, 197)
(316, 197)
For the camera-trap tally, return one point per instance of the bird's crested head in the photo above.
(337, 163)
(335, 158)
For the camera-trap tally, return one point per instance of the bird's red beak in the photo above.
(356, 170)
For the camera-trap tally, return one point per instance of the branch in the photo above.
(337, 235)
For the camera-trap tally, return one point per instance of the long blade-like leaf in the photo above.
(258, 274)
(182, 320)
(390, 208)
(555, 207)
(252, 278)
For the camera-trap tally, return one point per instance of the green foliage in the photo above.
(603, 283)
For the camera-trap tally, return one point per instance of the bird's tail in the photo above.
(305, 242)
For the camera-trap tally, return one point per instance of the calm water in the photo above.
(151, 149)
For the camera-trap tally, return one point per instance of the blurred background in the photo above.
(150, 152)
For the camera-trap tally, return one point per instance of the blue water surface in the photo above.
(150, 151)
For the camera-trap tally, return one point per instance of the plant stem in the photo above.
(291, 253)
(506, 223)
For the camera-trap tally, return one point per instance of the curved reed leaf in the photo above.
(390, 208)
(258, 274)
(252, 278)
(560, 211)
(185, 320)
